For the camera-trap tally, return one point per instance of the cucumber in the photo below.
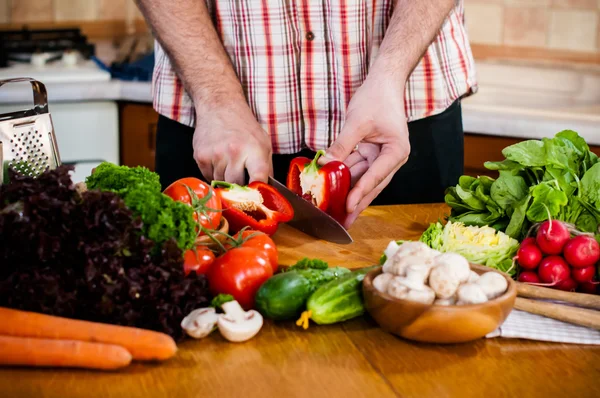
(283, 296)
(337, 300)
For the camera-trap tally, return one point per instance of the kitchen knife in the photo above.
(312, 220)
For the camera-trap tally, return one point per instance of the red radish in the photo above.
(568, 285)
(529, 277)
(582, 251)
(553, 270)
(588, 287)
(583, 274)
(552, 237)
(529, 256)
(528, 241)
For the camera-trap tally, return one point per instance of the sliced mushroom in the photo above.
(200, 323)
(471, 293)
(492, 284)
(381, 281)
(237, 325)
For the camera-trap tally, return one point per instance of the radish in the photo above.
(552, 237)
(585, 274)
(588, 287)
(582, 251)
(568, 285)
(529, 277)
(553, 270)
(528, 241)
(529, 256)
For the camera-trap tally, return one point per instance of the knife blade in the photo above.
(310, 219)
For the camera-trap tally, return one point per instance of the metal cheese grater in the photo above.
(27, 140)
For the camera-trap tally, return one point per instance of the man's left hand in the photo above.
(376, 126)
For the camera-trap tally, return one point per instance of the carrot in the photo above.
(26, 351)
(141, 343)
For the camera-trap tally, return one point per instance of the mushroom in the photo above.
(397, 289)
(473, 277)
(409, 283)
(399, 264)
(391, 249)
(470, 293)
(456, 264)
(423, 295)
(492, 284)
(413, 248)
(237, 325)
(418, 273)
(381, 281)
(443, 281)
(200, 323)
(448, 301)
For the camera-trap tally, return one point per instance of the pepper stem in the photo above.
(313, 166)
(225, 184)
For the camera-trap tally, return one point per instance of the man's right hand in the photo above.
(227, 140)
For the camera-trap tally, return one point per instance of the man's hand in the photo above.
(376, 122)
(227, 140)
(376, 112)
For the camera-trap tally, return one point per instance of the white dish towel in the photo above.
(523, 325)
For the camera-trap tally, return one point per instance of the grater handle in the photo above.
(40, 97)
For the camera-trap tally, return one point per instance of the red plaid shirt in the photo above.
(300, 62)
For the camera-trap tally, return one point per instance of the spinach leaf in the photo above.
(547, 200)
(508, 189)
(561, 154)
(518, 220)
(590, 186)
(528, 153)
(503, 165)
(469, 199)
(587, 222)
(465, 182)
(588, 158)
(564, 179)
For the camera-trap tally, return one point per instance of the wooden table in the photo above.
(352, 359)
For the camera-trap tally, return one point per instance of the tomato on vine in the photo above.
(201, 197)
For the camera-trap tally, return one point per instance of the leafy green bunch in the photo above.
(556, 178)
(163, 218)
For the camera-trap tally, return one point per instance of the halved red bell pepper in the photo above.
(257, 205)
(325, 186)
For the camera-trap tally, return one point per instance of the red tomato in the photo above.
(198, 260)
(240, 272)
(206, 211)
(260, 241)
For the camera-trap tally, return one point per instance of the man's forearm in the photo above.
(186, 32)
(413, 26)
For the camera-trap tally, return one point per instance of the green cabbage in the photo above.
(479, 245)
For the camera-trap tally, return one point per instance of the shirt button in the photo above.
(310, 36)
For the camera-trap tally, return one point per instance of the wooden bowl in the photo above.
(438, 323)
(208, 242)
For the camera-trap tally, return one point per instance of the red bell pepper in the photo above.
(325, 186)
(258, 206)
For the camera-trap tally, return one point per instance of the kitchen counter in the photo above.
(354, 358)
(521, 100)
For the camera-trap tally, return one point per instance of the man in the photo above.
(245, 86)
